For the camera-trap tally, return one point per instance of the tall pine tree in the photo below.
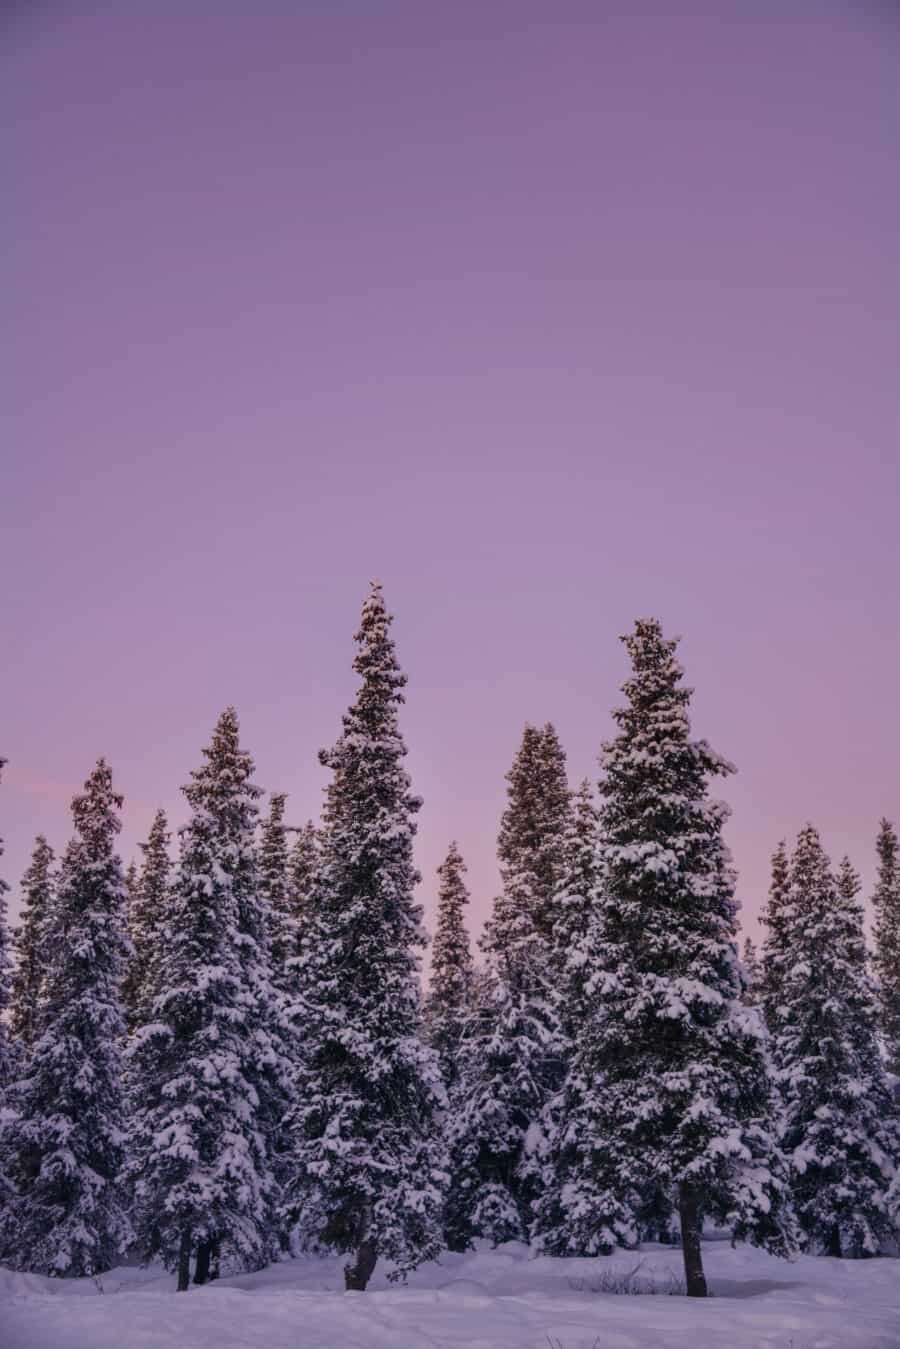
(751, 972)
(776, 953)
(200, 1148)
(531, 842)
(66, 1143)
(132, 876)
(676, 1101)
(31, 957)
(886, 955)
(840, 1131)
(274, 881)
(449, 1016)
(7, 1052)
(515, 1062)
(577, 903)
(148, 901)
(368, 1154)
(448, 1007)
(132, 882)
(302, 865)
(7, 1068)
(557, 1229)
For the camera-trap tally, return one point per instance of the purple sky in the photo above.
(548, 314)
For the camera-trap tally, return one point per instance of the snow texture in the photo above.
(487, 1299)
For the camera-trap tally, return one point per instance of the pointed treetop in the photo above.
(453, 859)
(159, 832)
(657, 707)
(751, 971)
(149, 898)
(886, 953)
(226, 734)
(809, 849)
(228, 720)
(376, 659)
(651, 651)
(36, 892)
(778, 889)
(849, 883)
(227, 767)
(775, 919)
(451, 942)
(275, 818)
(95, 809)
(887, 847)
(887, 835)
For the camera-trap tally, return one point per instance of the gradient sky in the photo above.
(547, 314)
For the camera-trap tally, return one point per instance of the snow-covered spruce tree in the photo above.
(515, 1061)
(751, 972)
(290, 931)
(776, 951)
(840, 1134)
(200, 1157)
(8, 1066)
(579, 895)
(579, 909)
(448, 1007)
(66, 1144)
(271, 1047)
(886, 954)
(302, 864)
(274, 882)
(147, 908)
(449, 1016)
(8, 1054)
(531, 843)
(37, 893)
(132, 877)
(369, 1165)
(677, 1100)
(132, 882)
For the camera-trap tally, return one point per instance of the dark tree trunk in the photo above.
(357, 1275)
(204, 1252)
(833, 1244)
(184, 1261)
(689, 1211)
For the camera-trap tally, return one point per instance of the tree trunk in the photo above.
(689, 1211)
(204, 1252)
(833, 1244)
(184, 1261)
(357, 1275)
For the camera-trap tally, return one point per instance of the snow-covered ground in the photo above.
(491, 1299)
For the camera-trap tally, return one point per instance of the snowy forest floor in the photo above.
(490, 1299)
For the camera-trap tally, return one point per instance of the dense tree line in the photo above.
(220, 1058)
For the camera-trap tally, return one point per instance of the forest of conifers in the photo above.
(225, 1056)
